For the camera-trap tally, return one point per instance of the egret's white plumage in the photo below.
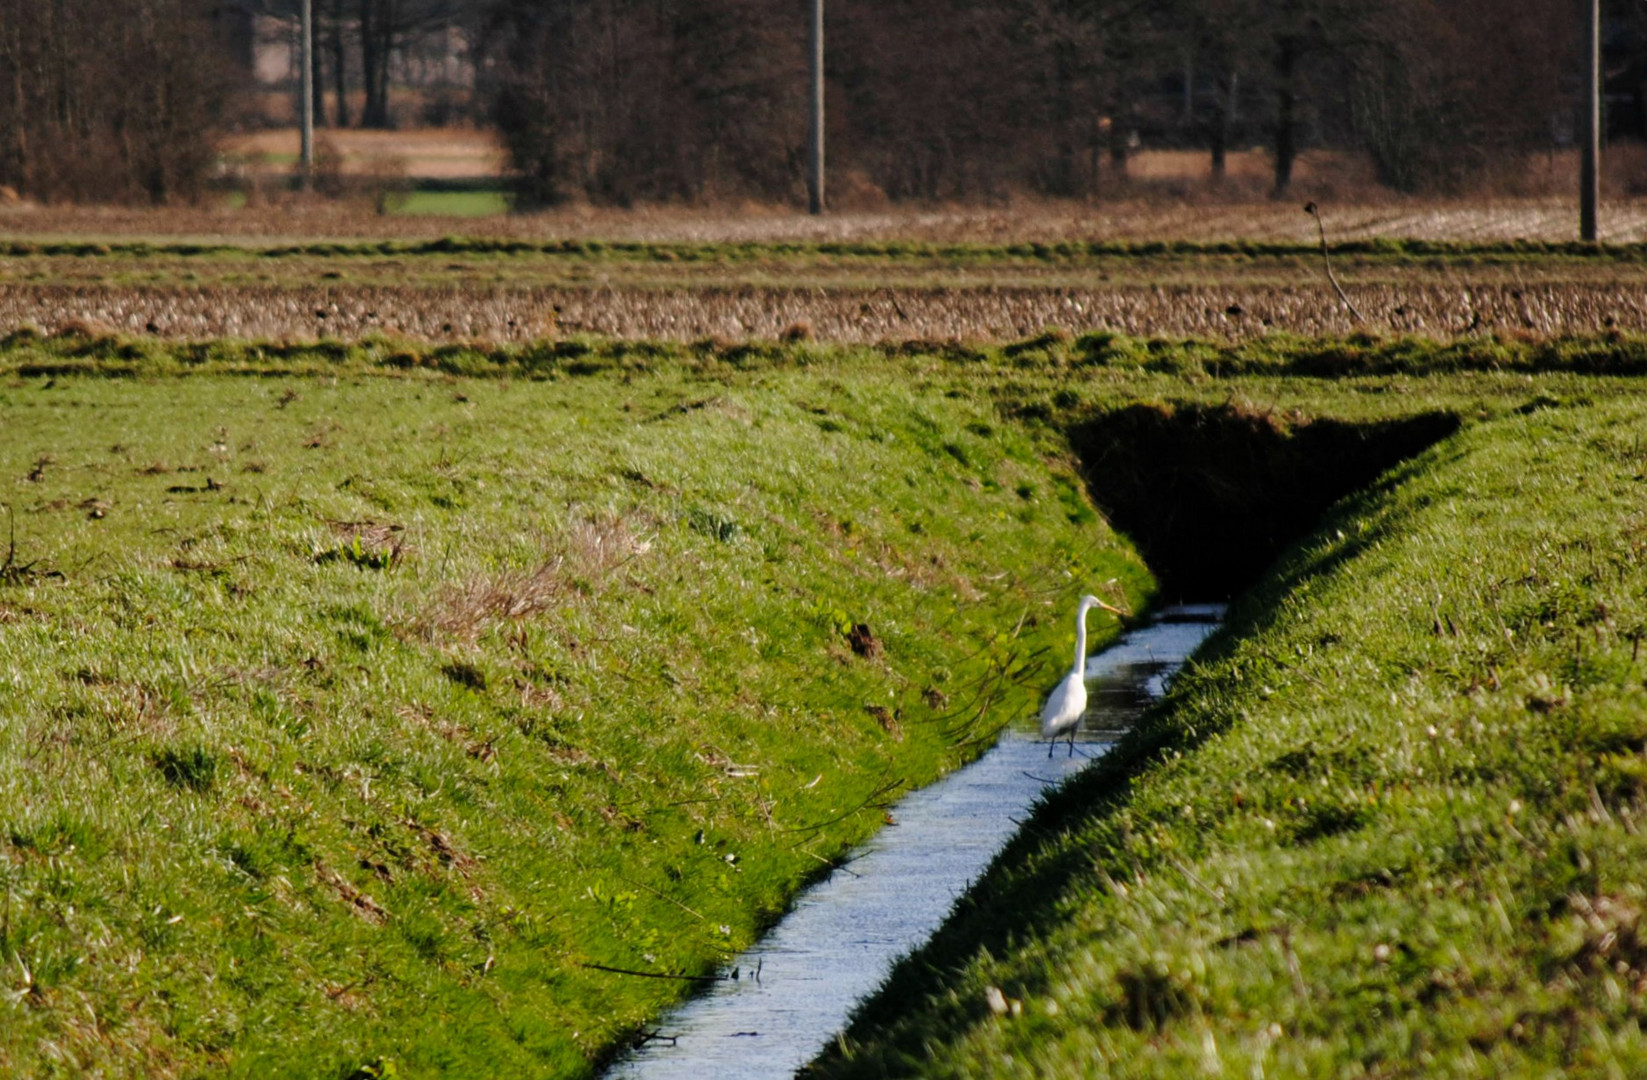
(1062, 713)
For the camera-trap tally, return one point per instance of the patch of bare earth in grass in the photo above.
(1232, 311)
(575, 564)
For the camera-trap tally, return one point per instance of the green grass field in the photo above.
(353, 718)
(457, 204)
(362, 699)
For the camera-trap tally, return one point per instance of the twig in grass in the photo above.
(658, 1036)
(658, 974)
(903, 315)
(661, 896)
(1183, 868)
(11, 571)
(869, 802)
(1299, 987)
(1315, 212)
(833, 866)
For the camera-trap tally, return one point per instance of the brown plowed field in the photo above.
(840, 314)
(1199, 218)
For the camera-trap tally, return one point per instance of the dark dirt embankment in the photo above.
(1213, 494)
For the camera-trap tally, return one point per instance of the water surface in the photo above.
(845, 932)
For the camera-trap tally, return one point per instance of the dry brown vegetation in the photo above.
(436, 153)
(1202, 216)
(847, 315)
(575, 563)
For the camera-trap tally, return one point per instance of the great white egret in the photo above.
(1068, 700)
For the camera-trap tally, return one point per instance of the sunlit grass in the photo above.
(1390, 824)
(351, 718)
(357, 696)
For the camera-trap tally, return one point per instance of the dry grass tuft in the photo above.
(360, 903)
(576, 563)
(72, 326)
(374, 535)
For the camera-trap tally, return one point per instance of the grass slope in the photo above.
(1389, 825)
(345, 722)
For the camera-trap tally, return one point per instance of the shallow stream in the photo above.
(798, 984)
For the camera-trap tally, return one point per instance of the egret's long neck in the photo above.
(1081, 639)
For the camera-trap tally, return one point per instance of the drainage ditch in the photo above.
(796, 988)
(1211, 495)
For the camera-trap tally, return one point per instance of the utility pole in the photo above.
(815, 139)
(1590, 168)
(306, 102)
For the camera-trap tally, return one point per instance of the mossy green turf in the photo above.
(1389, 824)
(285, 791)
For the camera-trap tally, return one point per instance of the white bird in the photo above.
(1068, 700)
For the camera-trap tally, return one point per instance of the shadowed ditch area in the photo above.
(1213, 494)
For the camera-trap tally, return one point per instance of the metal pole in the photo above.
(815, 140)
(1590, 168)
(306, 105)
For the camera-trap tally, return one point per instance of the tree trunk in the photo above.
(1590, 162)
(340, 74)
(1095, 153)
(1218, 133)
(1063, 179)
(1118, 132)
(377, 18)
(1286, 110)
(15, 170)
(318, 70)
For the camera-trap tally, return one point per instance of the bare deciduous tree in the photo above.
(74, 132)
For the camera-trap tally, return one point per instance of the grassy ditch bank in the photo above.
(458, 725)
(1389, 825)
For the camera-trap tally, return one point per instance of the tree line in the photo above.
(627, 100)
(105, 100)
(620, 100)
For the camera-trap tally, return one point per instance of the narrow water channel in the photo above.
(800, 982)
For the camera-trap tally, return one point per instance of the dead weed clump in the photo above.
(369, 545)
(577, 563)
